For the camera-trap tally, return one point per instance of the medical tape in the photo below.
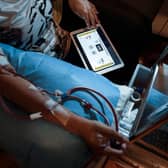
(53, 106)
(35, 116)
(3, 60)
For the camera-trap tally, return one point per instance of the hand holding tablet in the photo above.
(96, 50)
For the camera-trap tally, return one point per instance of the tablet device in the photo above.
(96, 50)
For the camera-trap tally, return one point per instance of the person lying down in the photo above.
(73, 108)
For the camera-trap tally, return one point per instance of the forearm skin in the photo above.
(27, 96)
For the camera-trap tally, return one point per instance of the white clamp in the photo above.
(35, 116)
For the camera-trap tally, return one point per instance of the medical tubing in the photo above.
(98, 100)
(71, 91)
(86, 105)
(91, 91)
(65, 96)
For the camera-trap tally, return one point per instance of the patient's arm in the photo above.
(26, 95)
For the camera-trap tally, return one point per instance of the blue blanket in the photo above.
(51, 73)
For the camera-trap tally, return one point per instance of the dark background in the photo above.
(129, 26)
(128, 29)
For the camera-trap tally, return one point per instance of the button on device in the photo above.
(136, 96)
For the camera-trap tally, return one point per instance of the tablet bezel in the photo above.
(118, 63)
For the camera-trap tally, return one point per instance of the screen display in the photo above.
(96, 51)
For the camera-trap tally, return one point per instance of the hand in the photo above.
(97, 135)
(100, 137)
(85, 10)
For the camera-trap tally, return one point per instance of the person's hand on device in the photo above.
(98, 136)
(85, 10)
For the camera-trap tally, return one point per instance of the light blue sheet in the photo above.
(51, 74)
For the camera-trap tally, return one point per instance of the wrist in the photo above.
(78, 125)
(71, 122)
(58, 112)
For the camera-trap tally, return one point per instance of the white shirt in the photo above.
(34, 19)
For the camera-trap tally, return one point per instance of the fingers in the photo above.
(113, 151)
(90, 15)
(92, 19)
(103, 145)
(93, 7)
(118, 137)
(95, 13)
(108, 131)
(102, 141)
(85, 10)
(109, 141)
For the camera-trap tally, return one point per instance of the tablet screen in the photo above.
(96, 50)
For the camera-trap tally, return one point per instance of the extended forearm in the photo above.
(22, 92)
(26, 95)
(29, 97)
